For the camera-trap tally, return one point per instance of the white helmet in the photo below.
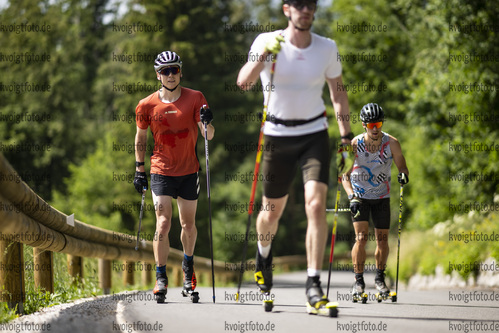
(167, 58)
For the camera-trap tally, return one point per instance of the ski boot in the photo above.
(160, 289)
(263, 278)
(317, 302)
(189, 281)
(383, 292)
(358, 293)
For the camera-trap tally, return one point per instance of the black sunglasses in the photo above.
(300, 5)
(167, 70)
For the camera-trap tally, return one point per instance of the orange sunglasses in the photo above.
(372, 125)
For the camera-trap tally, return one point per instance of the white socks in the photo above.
(313, 272)
(264, 250)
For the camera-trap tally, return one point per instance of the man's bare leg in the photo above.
(187, 215)
(188, 235)
(315, 208)
(359, 248)
(161, 243)
(267, 223)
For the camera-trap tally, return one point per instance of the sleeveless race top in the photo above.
(371, 174)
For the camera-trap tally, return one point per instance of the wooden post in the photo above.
(75, 268)
(12, 274)
(146, 273)
(128, 278)
(43, 269)
(105, 276)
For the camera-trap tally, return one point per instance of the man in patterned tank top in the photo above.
(367, 184)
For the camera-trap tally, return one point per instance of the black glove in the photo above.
(355, 207)
(206, 115)
(403, 178)
(140, 181)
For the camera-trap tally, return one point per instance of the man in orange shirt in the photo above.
(174, 114)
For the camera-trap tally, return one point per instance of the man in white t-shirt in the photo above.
(296, 133)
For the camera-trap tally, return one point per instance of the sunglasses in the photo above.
(169, 70)
(372, 125)
(300, 6)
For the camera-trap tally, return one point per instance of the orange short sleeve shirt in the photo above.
(175, 131)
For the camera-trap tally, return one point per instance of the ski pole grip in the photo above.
(204, 108)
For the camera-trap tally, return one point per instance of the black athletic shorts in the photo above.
(379, 209)
(281, 156)
(186, 187)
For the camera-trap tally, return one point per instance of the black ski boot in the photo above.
(358, 293)
(161, 287)
(383, 291)
(189, 281)
(317, 302)
(263, 278)
(263, 272)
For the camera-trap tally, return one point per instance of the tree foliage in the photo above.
(101, 66)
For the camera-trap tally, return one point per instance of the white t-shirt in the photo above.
(299, 78)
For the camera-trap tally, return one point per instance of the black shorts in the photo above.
(379, 209)
(281, 155)
(186, 187)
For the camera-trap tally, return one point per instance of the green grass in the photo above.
(65, 288)
(459, 246)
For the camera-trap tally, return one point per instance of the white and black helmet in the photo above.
(167, 58)
(371, 113)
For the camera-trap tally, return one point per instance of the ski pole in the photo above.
(400, 230)
(209, 204)
(333, 236)
(140, 217)
(255, 172)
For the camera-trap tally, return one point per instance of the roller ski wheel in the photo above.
(194, 295)
(190, 281)
(359, 298)
(386, 296)
(358, 294)
(323, 308)
(384, 293)
(268, 305)
(318, 304)
(160, 298)
(160, 289)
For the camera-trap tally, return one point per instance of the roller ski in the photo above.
(189, 281)
(358, 294)
(263, 279)
(318, 303)
(160, 289)
(384, 293)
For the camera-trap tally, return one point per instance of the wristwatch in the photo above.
(137, 164)
(351, 196)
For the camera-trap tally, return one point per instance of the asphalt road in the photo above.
(453, 310)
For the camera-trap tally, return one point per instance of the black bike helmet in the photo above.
(371, 113)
